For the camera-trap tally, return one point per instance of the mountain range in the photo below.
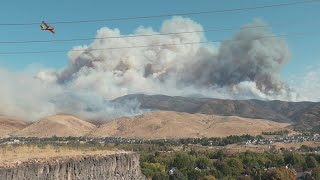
(304, 116)
(178, 117)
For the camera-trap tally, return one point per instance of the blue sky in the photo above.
(305, 50)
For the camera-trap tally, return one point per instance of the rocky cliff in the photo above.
(122, 166)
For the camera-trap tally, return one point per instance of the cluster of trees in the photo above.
(218, 165)
(216, 141)
(278, 133)
(305, 148)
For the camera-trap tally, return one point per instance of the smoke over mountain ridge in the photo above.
(245, 66)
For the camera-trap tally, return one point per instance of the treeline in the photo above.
(305, 148)
(278, 133)
(207, 165)
(216, 141)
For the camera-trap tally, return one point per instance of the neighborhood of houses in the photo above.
(289, 139)
(248, 140)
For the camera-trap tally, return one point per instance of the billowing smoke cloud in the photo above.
(307, 86)
(251, 55)
(26, 97)
(245, 66)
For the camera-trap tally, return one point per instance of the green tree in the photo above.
(203, 162)
(305, 148)
(224, 168)
(311, 162)
(204, 141)
(160, 176)
(276, 160)
(177, 175)
(208, 178)
(194, 174)
(153, 170)
(316, 173)
(294, 159)
(280, 174)
(249, 157)
(244, 178)
(236, 166)
(184, 161)
(219, 154)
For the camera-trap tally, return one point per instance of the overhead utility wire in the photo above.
(148, 35)
(158, 45)
(168, 15)
(129, 36)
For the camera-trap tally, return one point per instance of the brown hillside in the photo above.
(59, 125)
(168, 124)
(9, 125)
(304, 116)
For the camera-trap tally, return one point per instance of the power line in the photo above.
(129, 36)
(168, 15)
(158, 45)
(150, 35)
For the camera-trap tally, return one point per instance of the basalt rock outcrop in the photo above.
(122, 166)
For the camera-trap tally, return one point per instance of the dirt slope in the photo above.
(10, 125)
(168, 124)
(59, 125)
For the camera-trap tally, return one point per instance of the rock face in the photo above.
(123, 166)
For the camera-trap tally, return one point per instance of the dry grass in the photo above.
(12, 155)
(59, 125)
(10, 125)
(261, 148)
(238, 148)
(168, 124)
(297, 145)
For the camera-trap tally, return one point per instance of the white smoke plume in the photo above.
(26, 97)
(307, 86)
(251, 55)
(245, 66)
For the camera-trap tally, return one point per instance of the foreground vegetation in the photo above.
(166, 160)
(217, 164)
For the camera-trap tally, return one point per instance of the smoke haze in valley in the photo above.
(245, 66)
